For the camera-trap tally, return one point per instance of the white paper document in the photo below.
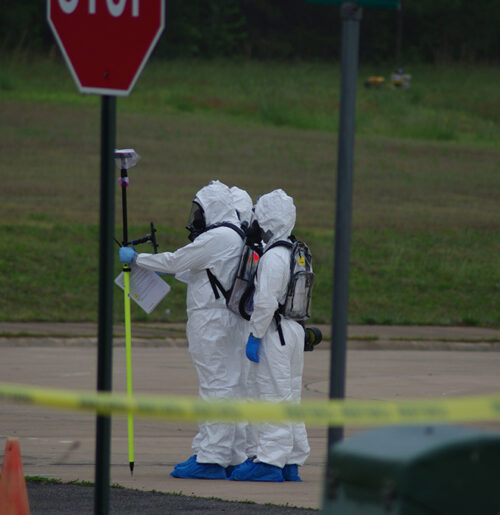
(146, 288)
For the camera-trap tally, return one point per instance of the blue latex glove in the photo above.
(127, 255)
(252, 348)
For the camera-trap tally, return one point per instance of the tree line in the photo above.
(427, 31)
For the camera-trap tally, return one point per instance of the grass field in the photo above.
(426, 224)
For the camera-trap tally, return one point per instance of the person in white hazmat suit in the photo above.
(218, 356)
(243, 205)
(275, 369)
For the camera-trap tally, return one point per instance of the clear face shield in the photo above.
(196, 221)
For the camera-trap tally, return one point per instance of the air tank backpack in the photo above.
(239, 298)
(297, 305)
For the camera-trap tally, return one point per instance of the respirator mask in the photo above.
(196, 222)
(256, 234)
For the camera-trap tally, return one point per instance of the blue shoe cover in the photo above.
(291, 473)
(232, 468)
(191, 459)
(196, 470)
(250, 471)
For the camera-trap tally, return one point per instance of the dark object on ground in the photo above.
(68, 499)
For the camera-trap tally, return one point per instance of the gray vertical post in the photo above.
(350, 14)
(105, 328)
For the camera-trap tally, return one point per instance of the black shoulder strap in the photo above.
(214, 282)
(216, 286)
(277, 319)
(279, 243)
(277, 314)
(230, 225)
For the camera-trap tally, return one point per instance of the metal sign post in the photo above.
(105, 328)
(350, 13)
(102, 61)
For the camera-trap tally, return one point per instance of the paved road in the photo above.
(61, 444)
(69, 499)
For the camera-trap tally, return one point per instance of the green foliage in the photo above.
(446, 103)
(203, 29)
(425, 216)
(447, 32)
(440, 277)
(53, 274)
(23, 26)
(423, 31)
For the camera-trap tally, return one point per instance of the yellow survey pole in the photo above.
(127, 158)
(128, 353)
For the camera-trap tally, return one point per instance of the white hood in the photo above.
(242, 203)
(275, 212)
(217, 203)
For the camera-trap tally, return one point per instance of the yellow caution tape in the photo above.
(314, 412)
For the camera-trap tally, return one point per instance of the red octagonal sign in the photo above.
(106, 43)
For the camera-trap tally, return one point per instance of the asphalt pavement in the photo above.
(383, 363)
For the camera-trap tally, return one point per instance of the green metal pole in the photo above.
(350, 14)
(105, 328)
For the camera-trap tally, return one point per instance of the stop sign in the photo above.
(106, 43)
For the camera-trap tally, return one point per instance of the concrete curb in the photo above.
(45, 341)
(173, 335)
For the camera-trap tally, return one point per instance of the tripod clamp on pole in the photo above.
(149, 238)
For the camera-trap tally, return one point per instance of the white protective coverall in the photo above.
(218, 356)
(278, 375)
